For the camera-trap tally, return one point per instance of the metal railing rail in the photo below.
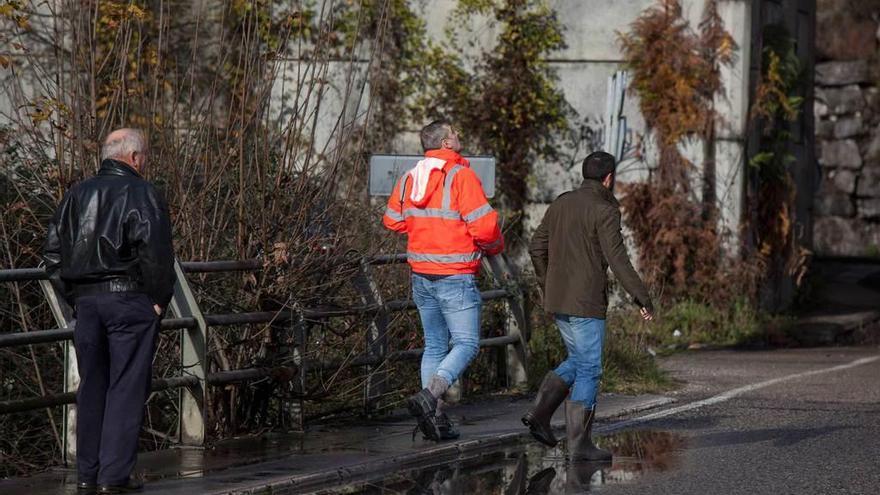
(12, 339)
(193, 327)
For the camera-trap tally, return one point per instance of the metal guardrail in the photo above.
(31, 274)
(195, 325)
(12, 339)
(22, 274)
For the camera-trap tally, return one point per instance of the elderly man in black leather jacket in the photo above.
(108, 250)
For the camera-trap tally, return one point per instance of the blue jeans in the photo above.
(449, 306)
(584, 338)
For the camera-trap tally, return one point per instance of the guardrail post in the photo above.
(193, 361)
(63, 314)
(377, 336)
(293, 410)
(517, 324)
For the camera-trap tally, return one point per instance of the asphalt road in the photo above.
(806, 434)
(773, 422)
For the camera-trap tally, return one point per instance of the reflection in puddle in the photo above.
(531, 469)
(639, 451)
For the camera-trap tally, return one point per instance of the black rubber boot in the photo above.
(541, 482)
(552, 392)
(579, 429)
(579, 475)
(422, 406)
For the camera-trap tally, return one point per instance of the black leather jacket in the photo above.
(113, 226)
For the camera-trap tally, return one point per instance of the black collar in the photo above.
(118, 168)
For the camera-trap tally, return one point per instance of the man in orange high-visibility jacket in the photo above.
(450, 225)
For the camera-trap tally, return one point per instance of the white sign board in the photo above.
(385, 170)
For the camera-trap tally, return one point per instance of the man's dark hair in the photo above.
(597, 165)
(433, 134)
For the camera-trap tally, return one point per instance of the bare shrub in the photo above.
(244, 179)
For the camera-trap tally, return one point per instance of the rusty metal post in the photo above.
(294, 410)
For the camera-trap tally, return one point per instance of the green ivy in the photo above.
(504, 99)
(509, 103)
(777, 101)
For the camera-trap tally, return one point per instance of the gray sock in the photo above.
(441, 404)
(437, 386)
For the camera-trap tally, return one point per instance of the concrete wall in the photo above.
(31, 69)
(591, 29)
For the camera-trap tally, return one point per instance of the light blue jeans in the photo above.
(584, 338)
(449, 307)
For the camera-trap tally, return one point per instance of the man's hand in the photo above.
(157, 309)
(646, 315)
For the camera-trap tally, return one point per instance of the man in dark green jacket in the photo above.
(571, 250)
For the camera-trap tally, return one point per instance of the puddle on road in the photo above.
(532, 469)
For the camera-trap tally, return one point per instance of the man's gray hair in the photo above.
(433, 134)
(122, 142)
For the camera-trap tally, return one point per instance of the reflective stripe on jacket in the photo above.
(451, 227)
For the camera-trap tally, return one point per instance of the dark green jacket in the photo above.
(577, 240)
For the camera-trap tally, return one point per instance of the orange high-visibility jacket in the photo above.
(450, 227)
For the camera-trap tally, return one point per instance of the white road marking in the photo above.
(730, 394)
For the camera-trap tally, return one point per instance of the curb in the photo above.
(440, 453)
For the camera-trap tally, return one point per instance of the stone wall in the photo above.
(847, 113)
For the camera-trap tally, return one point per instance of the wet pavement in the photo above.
(756, 422)
(530, 468)
(773, 422)
(796, 421)
(752, 422)
(818, 433)
(330, 455)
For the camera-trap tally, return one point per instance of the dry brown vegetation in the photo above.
(260, 114)
(713, 290)
(243, 180)
(675, 72)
